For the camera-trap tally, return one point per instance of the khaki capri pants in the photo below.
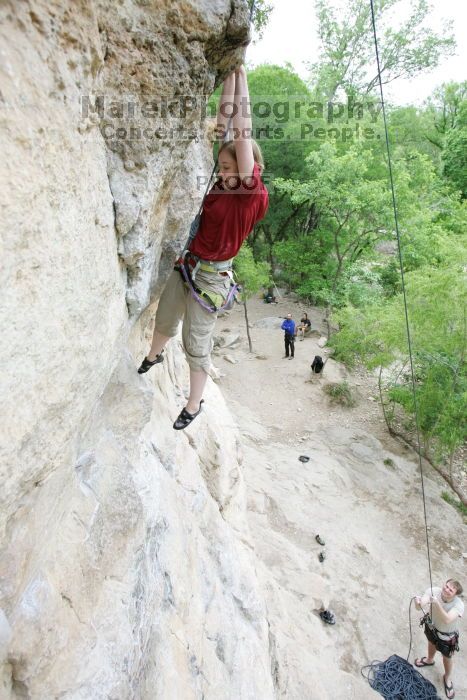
(176, 303)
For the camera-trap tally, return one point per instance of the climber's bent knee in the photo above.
(199, 364)
(197, 332)
(171, 305)
(198, 324)
(197, 343)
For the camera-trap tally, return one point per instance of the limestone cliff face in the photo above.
(125, 567)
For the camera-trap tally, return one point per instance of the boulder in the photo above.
(269, 322)
(228, 340)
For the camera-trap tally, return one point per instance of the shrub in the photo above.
(455, 503)
(340, 394)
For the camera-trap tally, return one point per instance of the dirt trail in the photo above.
(360, 491)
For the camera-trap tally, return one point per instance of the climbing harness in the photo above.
(189, 264)
(446, 643)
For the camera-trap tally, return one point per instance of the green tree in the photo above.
(412, 129)
(455, 152)
(427, 210)
(442, 109)
(437, 299)
(354, 212)
(347, 59)
(260, 11)
(274, 90)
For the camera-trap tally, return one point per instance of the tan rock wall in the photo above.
(125, 568)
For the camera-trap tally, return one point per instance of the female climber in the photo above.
(234, 204)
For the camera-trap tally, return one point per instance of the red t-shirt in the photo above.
(228, 218)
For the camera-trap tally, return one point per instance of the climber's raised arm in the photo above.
(225, 109)
(242, 125)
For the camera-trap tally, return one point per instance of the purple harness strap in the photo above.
(211, 308)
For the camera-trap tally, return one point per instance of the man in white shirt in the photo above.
(442, 631)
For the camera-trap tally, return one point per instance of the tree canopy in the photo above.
(346, 62)
(330, 231)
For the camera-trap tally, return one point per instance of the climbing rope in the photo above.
(396, 679)
(410, 628)
(399, 247)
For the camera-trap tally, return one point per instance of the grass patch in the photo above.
(340, 394)
(388, 462)
(455, 503)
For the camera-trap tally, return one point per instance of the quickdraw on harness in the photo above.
(189, 264)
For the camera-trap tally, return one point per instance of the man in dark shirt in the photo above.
(304, 327)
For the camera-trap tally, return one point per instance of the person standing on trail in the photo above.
(235, 203)
(288, 326)
(442, 627)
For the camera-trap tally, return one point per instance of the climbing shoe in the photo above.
(147, 364)
(328, 617)
(184, 419)
(320, 540)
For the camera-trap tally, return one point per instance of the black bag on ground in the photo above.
(317, 364)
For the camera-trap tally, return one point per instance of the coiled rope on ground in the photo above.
(397, 679)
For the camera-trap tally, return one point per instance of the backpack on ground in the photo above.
(317, 364)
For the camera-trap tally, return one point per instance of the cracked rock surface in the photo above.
(126, 569)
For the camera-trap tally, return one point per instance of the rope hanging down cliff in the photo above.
(396, 677)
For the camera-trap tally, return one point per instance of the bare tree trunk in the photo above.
(446, 475)
(328, 324)
(451, 460)
(442, 472)
(386, 417)
(247, 324)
